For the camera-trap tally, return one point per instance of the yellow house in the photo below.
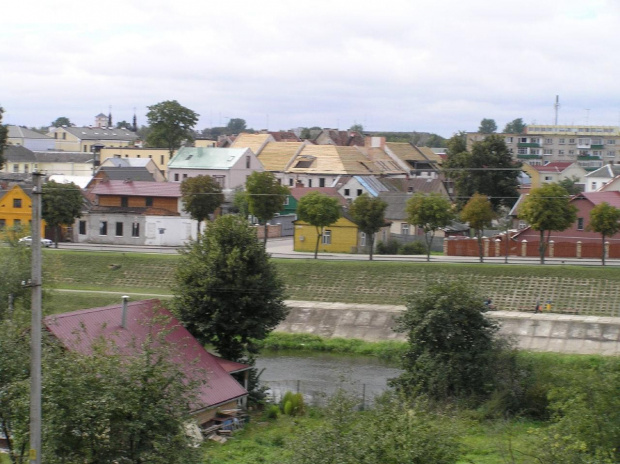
(340, 237)
(160, 156)
(16, 210)
(84, 138)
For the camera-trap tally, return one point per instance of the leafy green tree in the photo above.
(4, 134)
(61, 205)
(240, 202)
(14, 269)
(435, 141)
(488, 169)
(394, 431)
(227, 291)
(451, 347)
(478, 212)
(548, 208)
(585, 423)
(604, 219)
(62, 121)
(487, 126)
(356, 128)
(320, 211)
(171, 124)
(111, 407)
(430, 213)
(124, 125)
(235, 126)
(201, 196)
(457, 143)
(14, 388)
(516, 126)
(571, 185)
(265, 197)
(369, 215)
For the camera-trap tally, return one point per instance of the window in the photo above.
(571, 141)
(103, 228)
(85, 148)
(534, 151)
(287, 201)
(522, 224)
(359, 192)
(26, 168)
(64, 136)
(562, 141)
(17, 202)
(548, 141)
(522, 139)
(148, 201)
(363, 239)
(184, 176)
(611, 153)
(404, 228)
(161, 159)
(2, 223)
(560, 152)
(176, 177)
(16, 168)
(571, 152)
(119, 229)
(611, 142)
(17, 223)
(347, 192)
(290, 182)
(135, 229)
(220, 180)
(248, 160)
(593, 186)
(548, 178)
(124, 202)
(327, 237)
(548, 151)
(321, 181)
(522, 151)
(82, 228)
(534, 140)
(508, 139)
(579, 223)
(309, 182)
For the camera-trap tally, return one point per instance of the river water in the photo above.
(318, 375)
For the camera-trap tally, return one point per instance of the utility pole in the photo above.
(35, 325)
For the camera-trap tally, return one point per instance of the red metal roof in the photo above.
(613, 198)
(553, 167)
(138, 188)
(79, 330)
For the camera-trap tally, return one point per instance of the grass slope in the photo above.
(572, 289)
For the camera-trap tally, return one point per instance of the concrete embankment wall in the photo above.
(536, 332)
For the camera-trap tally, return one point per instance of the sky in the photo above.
(397, 65)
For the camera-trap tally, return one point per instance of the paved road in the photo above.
(283, 248)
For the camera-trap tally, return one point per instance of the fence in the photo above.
(496, 247)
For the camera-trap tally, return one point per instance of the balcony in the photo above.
(528, 145)
(588, 158)
(597, 147)
(529, 157)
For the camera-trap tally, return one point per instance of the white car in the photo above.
(46, 242)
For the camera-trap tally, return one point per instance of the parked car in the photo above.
(46, 242)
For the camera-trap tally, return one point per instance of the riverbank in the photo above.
(570, 289)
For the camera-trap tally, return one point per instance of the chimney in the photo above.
(124, 317)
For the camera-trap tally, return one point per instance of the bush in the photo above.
(293, 404)
(272, 412)
(387, 248)
(412, 248)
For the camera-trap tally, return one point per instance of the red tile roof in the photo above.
(138, 188)
(79, 330)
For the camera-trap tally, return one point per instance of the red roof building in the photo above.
(128, 325)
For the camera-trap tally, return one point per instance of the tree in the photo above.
(604, 219)
(171, 124)
(4, 134)
(265, 197)
(457, 143)
(14, 269)
(488, 169)
(240, 202)
(227, 292)
(201, 196)
(118, 407)
(320, 211)
(516, 126)
(395, 431)
(430, 213)
(487, 126)
(478, 212)
(356, 128)
(369, 215)
(435, 141)
(235, 126)
(571, 185)
(62, 121)
(451, 344)
(124, 125)
(548, 208)
(61, 205)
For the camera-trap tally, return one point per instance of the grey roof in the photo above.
(128, 162)
(206, 158)
(397, 203)
(124, 173)
(101, 133)
(17, 154)
(63, 157)
(24, 133)
(608, 170)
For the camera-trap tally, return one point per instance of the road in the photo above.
(283, 248)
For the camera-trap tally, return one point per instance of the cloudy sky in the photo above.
(401, 65)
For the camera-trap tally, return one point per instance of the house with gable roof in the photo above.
(230, 167)
(90, 139)
(29, 139)
(135, 213)
(16, 209)
(128, 325)
(599, 179)
(554, 172)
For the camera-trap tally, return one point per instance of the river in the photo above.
(319, 375)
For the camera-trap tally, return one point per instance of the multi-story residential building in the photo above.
(588, 146)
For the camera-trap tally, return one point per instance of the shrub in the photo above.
(293, 404)
(272, 412)
(412, 248)
(387, 248)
